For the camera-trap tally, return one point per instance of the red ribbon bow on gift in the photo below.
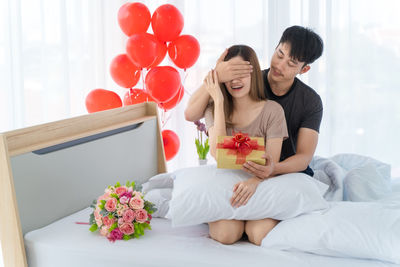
(241, 145)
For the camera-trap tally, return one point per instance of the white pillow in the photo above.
(202, 194)
(160, 197)
(364, 230)
(365, 184)
(162, 180)
(350, 161)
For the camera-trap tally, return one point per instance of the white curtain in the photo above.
(54, 52)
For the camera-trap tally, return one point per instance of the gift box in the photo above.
(233, 151)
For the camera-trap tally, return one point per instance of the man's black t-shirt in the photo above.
(303, 109)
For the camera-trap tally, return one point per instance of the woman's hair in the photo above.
(256, 85)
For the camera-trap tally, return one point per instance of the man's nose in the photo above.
(281, 64)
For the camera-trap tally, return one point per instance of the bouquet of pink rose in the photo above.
(121, 213)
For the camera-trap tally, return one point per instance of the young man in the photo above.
(297, 49)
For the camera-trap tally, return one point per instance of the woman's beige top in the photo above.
(270, 123)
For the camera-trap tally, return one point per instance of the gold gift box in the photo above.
(227, 158)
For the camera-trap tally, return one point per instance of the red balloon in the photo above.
(161, 52)
(171, 144)
(134, 18)
(143, 49)
(167, 22)
(174, 101)
(124, 72)
(184, 51)
(136, 96)
(100, 99)
(162, 83)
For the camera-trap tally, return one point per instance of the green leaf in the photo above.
(117, 185)
(94, 203)
(104, 212)
(93, 228)
(92, 219)
(113, 226)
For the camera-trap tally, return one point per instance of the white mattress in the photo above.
(65, 243)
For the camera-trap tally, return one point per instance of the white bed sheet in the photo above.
(65, 243)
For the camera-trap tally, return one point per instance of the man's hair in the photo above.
(306, 45)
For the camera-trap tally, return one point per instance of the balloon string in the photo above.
(162, 118)
(166, 120)
(183, 83)
(142, 74)
(130, 96)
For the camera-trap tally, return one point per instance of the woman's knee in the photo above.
(226, 231)
(258, 230)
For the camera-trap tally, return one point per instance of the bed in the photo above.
(51, 173)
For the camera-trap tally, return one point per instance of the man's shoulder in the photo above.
(307, 91)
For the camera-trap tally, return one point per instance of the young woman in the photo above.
(240, 105)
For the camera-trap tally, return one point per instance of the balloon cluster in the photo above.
(144, 52)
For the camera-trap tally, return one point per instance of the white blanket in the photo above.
(363, 220)
(366, 226)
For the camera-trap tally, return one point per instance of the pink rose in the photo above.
(104, 231)
(105, 196)
(120, 190)
(141, 215)
(120, 221)
(111, 204)
(99, 222)
(107, 221)
(124, 200)
(121, 209)
(128, 216)
(136, 194)
(97, 214)
(127, 228)
(136, 203)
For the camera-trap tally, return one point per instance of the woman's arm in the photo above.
(219, 127)
(243, 191)
(227, 71)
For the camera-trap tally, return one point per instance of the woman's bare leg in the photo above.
(226, 231)
(258, 229)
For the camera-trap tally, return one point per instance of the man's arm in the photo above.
(227, 71)
(307, 141)
(197, 104)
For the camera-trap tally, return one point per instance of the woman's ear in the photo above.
(305, 69)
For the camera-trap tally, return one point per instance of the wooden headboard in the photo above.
(52, 170)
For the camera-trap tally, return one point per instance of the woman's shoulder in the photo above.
(272, 106)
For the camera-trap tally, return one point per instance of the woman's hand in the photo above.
(212, 87)
(243, 191)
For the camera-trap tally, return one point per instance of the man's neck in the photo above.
(279, 88)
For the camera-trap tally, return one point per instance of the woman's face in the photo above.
(239, 87)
